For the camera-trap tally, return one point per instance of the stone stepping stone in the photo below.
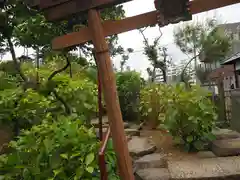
(225, 134)
(155, 160)
(132, 132)
(152, 174)
(106, 125)
(128, 132)
(227, 168)
(206, 154)
(226, 147)
(126, 125)
(141, 146)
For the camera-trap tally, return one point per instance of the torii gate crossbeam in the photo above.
(119, 26)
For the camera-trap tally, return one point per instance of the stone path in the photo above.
(211, 168)
(227, 143)
(225, 134)
(130, 129)
(140, 146)
(154, 166)
(154, 160)
(152, 174)
(226, 147)
(149, 165)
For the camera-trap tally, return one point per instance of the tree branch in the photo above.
(14, 58)
(144, 37)
(184, 69)
(67, 108)
(60, 70)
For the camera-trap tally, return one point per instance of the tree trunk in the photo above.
(70, 70)
(164, 76)
(37, 64)
(153, 74)
(222, 106)
(14, 58)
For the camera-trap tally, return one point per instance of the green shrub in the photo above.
(30, 106)
(190, 117)
(59, 150)
(128, 86)
(27, 107)
(153, 102)
(80, 94)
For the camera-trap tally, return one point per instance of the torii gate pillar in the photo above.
(106, 73)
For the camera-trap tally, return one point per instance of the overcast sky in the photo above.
(134, 40)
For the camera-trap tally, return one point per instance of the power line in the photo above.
(142, 50)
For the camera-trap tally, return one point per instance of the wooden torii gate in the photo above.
(96, 32)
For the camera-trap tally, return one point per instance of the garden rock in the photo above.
(225, 134)
(126, 124)
(227, 168)
(134, 126)
(141, 146)
(226, 147)
(151, 161)
(152, 174)
(132, 132)
(206, 154)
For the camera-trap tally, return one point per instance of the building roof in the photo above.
(233, 58)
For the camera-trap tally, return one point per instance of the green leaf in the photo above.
(57, 171)
(189, 139)
(75, 154)
(89, 158)
(210, 137)
(88, 106)
(64, 156)
(79, 172)
(178, 140)
(150, 110)
(90, 169)
(199, 145)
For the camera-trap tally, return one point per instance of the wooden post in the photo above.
(105, 68)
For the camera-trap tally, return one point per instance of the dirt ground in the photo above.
(165, 144)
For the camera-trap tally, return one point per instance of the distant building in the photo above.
(174, 72)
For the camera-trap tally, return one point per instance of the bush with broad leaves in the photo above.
(190, 117)
(188, 114)
(128, 86)
(56, 150)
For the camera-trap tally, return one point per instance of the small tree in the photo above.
(157, 56)
(202, 40)
(125, 58)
